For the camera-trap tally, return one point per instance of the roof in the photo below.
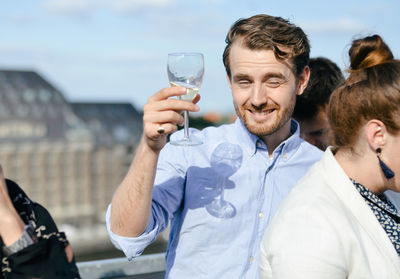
(33, 109)
(111, 122)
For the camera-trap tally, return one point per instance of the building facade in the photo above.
(70, 157)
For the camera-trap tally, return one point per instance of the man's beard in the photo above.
(265, 128)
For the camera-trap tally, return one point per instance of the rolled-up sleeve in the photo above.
(132, 246)
(166, 201)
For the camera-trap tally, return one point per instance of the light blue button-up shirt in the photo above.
(220, 197)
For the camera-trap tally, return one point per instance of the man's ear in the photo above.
(229, 81)
(303, 80)
(375, 132)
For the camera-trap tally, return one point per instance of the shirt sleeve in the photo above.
(166, 201)
(132, 246)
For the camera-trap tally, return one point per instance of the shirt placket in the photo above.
(259, 218)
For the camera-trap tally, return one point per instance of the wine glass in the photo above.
(187, 70)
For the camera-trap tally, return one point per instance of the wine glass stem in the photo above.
(186, 125)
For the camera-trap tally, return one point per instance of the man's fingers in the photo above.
(162, 114)
(160, 130)
(163, 117)
(170, 105)
(166, 93)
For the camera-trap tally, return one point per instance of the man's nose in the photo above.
(259, 95)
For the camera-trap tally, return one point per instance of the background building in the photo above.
(69, 157)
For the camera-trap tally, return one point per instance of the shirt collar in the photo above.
(291, 144)
(246, 138)
(253, 142)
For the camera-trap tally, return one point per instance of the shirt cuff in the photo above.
(132, 246)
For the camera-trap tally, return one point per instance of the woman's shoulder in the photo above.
(311, 203)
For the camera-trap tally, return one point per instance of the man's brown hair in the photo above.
(264, 32)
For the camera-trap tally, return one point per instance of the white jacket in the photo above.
(324, 229)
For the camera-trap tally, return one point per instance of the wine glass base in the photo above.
(221, 209)
(186, 142)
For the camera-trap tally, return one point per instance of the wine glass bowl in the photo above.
(186, 69)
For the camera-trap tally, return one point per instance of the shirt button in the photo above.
(251, 259)
(285, 155)
(260, 215)
(258, 144)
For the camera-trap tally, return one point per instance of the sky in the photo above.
(116, 50)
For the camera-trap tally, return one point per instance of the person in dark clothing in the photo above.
(311, 106)
(31, 245)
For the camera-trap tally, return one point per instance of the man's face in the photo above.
(263, 88)
(316, 130)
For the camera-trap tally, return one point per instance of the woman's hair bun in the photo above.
(368, 52)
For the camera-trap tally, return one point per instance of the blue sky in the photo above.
(115, 50)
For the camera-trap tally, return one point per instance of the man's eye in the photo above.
(274, 82)
(244, 83)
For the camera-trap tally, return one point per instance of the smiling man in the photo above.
(264, 91)
(221, 195)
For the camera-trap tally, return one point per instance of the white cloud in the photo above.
(341, 25)
(128, 6)
(83, 7)
(69, 7)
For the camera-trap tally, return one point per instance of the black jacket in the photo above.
(45, 259)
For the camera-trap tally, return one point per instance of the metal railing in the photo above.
(144, 267)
